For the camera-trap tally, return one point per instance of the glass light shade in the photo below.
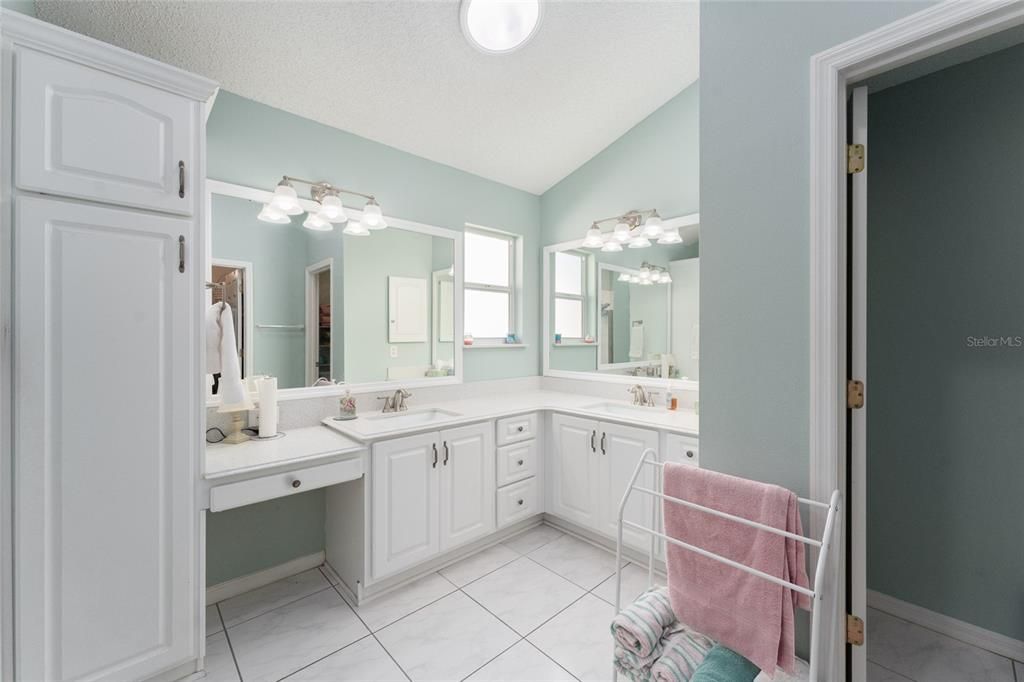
(634, 279)
(286, 200)
(594, 239)
(621, 232)
(356, 229)
(372, 216)
(331, 209)
(666, 278)
(645, 272)
(639, 242)
(314, 221)
(670, 237)
(497, 26)
(611, 246)
(623, 276)
(652, 227)
(269, 214)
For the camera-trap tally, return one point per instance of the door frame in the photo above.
(917, 36)
(313, 317)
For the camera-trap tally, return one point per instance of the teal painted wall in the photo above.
(24, 6)
(754, 189)
(944, 264)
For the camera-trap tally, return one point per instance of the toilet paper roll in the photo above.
(267, 388)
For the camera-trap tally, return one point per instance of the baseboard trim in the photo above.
(236, 586)
(947, 625)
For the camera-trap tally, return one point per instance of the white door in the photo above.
(80, 132)
(407, 310)
(104, 464)
(405, 502)
(858, 320)
(620, 448)
(575, 470)
(467, 484)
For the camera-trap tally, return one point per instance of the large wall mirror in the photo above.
(625, 315)
(323, 310)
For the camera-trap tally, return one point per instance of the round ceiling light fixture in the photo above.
(499, 26)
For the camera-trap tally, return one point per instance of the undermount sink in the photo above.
(394, 421)
(618, 408)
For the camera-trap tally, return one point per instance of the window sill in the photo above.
(494, 345)
(573, 343)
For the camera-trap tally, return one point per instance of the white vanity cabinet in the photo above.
(431, 492)
(574, 469)
(106, 358)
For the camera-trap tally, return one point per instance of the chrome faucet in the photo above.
(642, 396)
(396, 402)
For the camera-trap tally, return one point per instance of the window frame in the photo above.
(513, 290)
(581, 297)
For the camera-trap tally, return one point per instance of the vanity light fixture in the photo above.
(285, 203)
(594, 239)
(499, 26)
(356, 229)
(647, 275)
(633, 228)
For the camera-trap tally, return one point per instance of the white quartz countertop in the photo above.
(497, 406)
(297, 445)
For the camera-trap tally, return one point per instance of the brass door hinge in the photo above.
(854, 630)
(854, 394)
(854, 158)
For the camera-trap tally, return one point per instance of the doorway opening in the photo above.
(319, 322)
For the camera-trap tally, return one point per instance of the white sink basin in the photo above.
(622, 409)
(393, 421)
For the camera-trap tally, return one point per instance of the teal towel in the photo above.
(722, 664)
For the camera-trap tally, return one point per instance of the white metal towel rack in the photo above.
(817, 593)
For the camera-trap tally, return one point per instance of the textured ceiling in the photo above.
(401, 73)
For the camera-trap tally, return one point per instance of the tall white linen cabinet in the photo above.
(103, 157)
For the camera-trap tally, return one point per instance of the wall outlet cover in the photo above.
(394, 351)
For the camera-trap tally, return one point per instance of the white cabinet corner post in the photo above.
(104, 159)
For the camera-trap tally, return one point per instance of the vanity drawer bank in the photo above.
(104, 153)
(449, 478)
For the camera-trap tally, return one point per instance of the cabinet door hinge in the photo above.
(854, 394)
(854, 158)
(181, 253)
(854, 630)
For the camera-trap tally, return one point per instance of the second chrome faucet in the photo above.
(395, 402)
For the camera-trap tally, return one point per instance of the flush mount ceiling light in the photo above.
(499, 26)
(635, 229)
(285, 203)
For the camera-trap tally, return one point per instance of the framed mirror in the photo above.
(322, 310)
(629, 315)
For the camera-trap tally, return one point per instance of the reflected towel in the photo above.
(222, 354)
(636, 341)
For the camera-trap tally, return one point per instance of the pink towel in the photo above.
(741, 611)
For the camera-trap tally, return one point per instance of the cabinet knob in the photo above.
(520, 503)
(520, 428)
(520, 462)
(296, 483)
(689, 453)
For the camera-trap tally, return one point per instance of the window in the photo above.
(490, 284)
(570, 270)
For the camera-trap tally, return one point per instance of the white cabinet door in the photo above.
(106, 380)
(467, 484)
(575, 469)
(405, 502)
(620, 448)
(81, 132)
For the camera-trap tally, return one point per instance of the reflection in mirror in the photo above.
(319, 307)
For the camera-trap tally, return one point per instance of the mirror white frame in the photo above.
(228, 189)
(611, 267)
(687, 225)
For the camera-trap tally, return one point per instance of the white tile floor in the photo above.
(535, 607)
(899, 651)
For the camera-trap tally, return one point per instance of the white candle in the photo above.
(267, 388)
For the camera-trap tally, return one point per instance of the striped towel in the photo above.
(683, 651)
(639, 627)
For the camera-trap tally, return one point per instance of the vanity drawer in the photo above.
(682, 449)
(515, 429)
(517, 502)
(516, 462)
(239, 494)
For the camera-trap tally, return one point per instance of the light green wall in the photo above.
(24, 6)
(754, 189)
(944, 264)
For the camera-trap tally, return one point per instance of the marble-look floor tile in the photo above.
(923, 654)
(523, 594)
(522, 663)
(579, 640)
(218, 662)
(582, 563)
(479, 565)
(801, 673)
(634, 583)
(387, 608)
(213, 624)
(363, 661)
(292, 636)
(536, 537)
(251, 604)
(877, 673)
(447, 640)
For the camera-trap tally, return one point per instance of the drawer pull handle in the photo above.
(296, 483)
(520, 462)
(520, 503)
(689, 453)
(181, 179)
(520, 428)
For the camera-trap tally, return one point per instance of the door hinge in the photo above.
(854, 630)
(181, 253)
(854, 158)
(854, 394)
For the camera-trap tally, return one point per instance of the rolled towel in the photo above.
(722, 664)
(683, 652)
(639, 627)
